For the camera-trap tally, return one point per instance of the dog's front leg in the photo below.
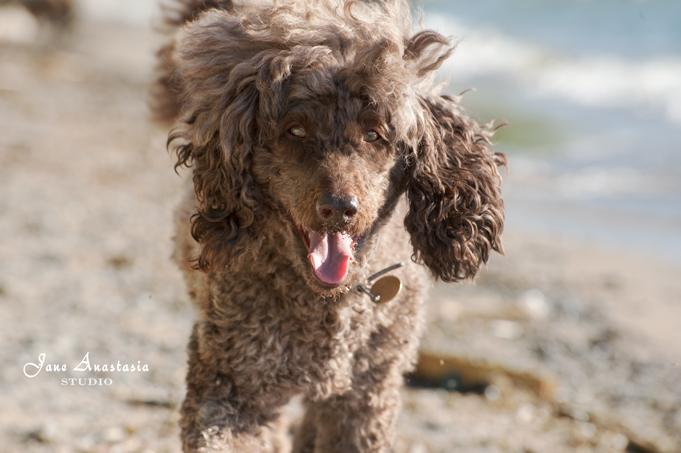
(361, 420)
(218, 414)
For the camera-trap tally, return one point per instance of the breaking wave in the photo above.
(649, 85)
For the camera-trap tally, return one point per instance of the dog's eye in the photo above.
(370, 136)
(298, 131)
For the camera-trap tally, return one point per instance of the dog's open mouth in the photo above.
(329, 254)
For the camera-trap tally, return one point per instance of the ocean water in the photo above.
(592, 92)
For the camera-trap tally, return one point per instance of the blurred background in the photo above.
(592, 90)
(571, 342)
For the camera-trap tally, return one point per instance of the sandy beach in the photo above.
(562, 345)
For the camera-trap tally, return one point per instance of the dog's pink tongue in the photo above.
(329, 255)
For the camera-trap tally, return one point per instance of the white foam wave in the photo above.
(136, 12)
(603, 81)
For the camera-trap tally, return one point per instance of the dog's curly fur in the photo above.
(277, 106)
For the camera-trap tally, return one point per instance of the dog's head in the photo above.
(319, 117)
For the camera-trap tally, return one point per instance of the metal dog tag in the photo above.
(386, 288)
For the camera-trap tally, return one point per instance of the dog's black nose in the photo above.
(339, 211)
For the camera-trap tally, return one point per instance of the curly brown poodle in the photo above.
(321, 155)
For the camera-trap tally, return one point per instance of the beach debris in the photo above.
(114, 434)
(462, 374)
(535, 304)
(525, 413)
(45, 434)
(507, 330)
(492, 392)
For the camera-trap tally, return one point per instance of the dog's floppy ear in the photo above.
(218, 130)
(456, 213)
